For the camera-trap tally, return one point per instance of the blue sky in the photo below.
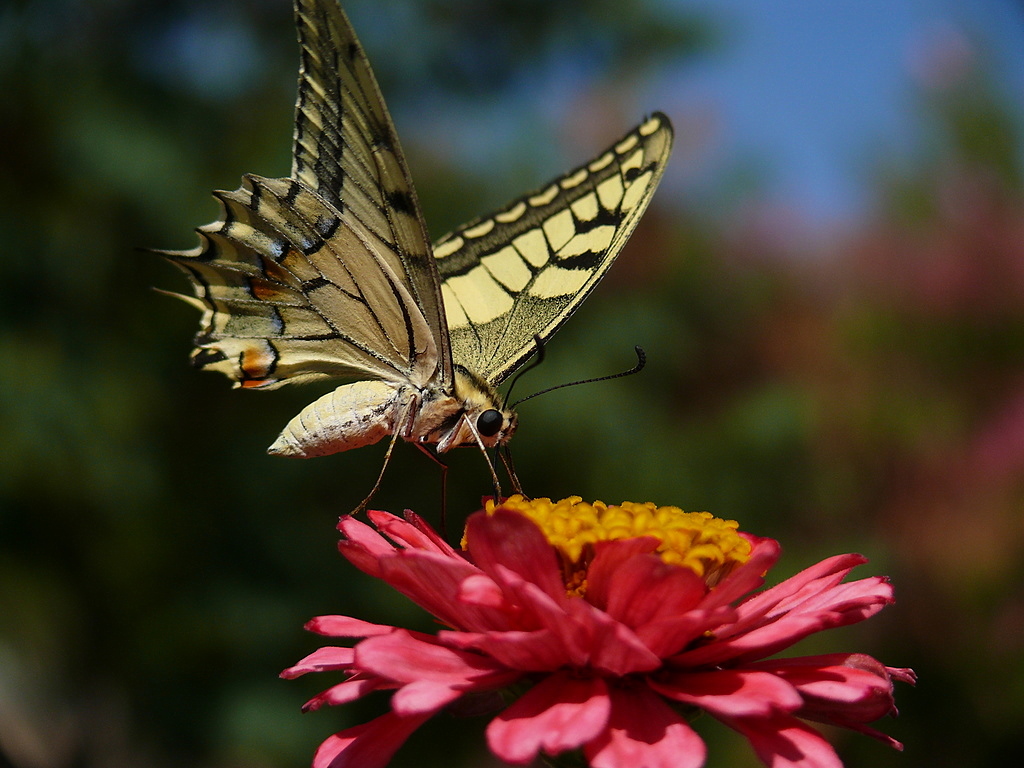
(811, 87)
(801, 95)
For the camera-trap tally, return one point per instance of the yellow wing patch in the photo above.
(520, 272)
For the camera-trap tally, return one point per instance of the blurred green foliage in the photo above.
(862, 392)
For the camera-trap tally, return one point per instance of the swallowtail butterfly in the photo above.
(330, 273)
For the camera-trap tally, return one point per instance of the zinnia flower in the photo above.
(608, 628)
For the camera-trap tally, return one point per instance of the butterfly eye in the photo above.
(490, 422)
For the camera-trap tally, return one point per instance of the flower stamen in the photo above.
(709, 546)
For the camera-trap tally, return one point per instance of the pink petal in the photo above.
(785, 742)
(715, 611)
(755, 644)
(903, 674)
(745, 577)
(643, 592)
(423, 697)
(346, 692)
(671, 633)
(365, 548)
(644, 731)
(560, 713)
(481, 591)
(603, 574)
(836, 606)
(865, 730)
(848, 690)
(777, 618)
(356, 530)
(370, 745)
(362, 546)
(564, 619)
(346, 626)
(810, 584)
(730, 693)
(434, 582)
(512, 541)
(406, 659)
(796, 663)
(616, 650)
(864, 597)
(436, 539)
(584, 634)
(366, 560)
(536, 651)
(321, 660)
(852, 694)
(411, 533)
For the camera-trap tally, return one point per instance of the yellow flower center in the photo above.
(707, 545)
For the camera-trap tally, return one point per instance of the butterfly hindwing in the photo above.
(522, 271)
(328, 273)
(281, 304)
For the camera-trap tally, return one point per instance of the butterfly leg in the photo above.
(408, 414)
(505, 454)
(373, 491)
(487, 458)
(444, 482)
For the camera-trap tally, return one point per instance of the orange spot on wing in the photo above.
(275, 271)
(264, 292)
(291, 262)
(256, 364)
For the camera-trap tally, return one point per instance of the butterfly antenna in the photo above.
(536, 361)
(641, 361)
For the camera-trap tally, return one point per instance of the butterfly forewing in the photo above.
(347, 151)
(522, 271)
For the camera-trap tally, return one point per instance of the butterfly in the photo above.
(329, 273)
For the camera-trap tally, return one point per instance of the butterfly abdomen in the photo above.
(364, 412)
(351, 416)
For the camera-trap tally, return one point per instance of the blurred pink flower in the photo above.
(610, 641)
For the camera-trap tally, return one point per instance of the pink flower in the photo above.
(614, 625)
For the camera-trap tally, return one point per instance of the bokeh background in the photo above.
(829, 285)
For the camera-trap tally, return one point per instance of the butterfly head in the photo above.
(483, 414)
